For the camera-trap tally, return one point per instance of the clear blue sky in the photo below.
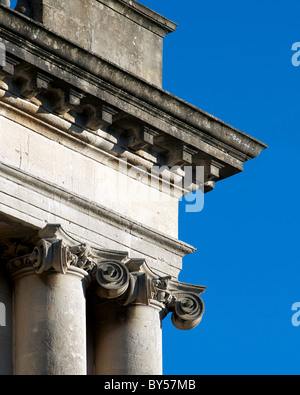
(233, 60)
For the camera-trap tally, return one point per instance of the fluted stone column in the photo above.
(50, 308)
(132, 302)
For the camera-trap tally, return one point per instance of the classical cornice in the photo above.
(142, 102)
(99, 145)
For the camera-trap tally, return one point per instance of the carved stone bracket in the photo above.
(181, 157)
(8, 67)
(32, 82)
(92, 114)
(99, 116)
(143, 138)
(66, 100)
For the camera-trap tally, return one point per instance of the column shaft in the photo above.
(50, 322)
(5, 324)
(128, 340)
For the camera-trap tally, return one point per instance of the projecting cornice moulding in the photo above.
(109, 216)
(95, 80)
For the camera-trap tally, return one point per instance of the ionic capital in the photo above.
(182, 300)
(133, 282)
(57, 251)
(115, 276)
(113, 279)
(126, 282)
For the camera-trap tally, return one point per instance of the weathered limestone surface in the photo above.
(50, 335)
(123, 31)
(137, 332)
(131, 303)
(87, 176)
(50, 308)
(129, 299)
(94, 156)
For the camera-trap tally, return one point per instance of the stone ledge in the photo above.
(109, 216)
(142, 15)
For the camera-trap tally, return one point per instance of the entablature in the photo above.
(99, 98)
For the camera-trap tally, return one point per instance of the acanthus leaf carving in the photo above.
(57, 251)
(83, 257)
(126, 281)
